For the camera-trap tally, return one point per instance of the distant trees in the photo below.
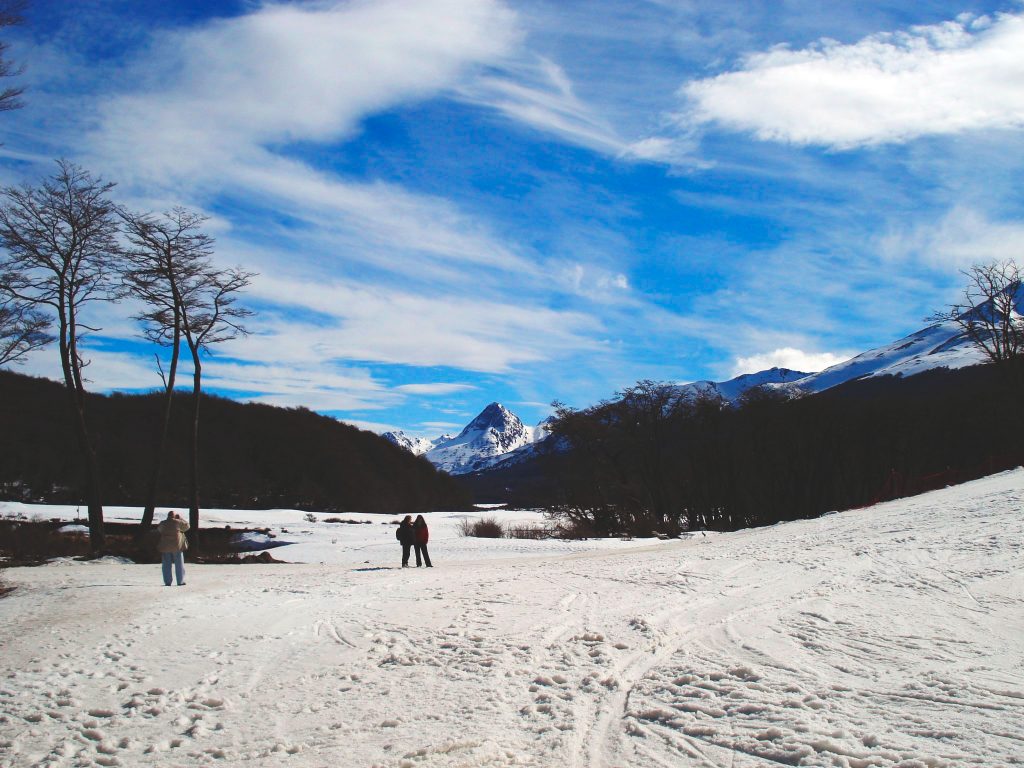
(61, 254)
(627, 467)
(652, 461)
(254, 456)
(990, 315)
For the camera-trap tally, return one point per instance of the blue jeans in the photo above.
(178, 559)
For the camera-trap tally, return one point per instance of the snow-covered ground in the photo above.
(886, 636)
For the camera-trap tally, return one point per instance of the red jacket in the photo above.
(422, 534)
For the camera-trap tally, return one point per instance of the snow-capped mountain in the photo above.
(416, 445)
(492, 434)
(942, 345)
(731, 390)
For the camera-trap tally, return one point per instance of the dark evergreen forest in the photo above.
(648, 462)
(253, 456)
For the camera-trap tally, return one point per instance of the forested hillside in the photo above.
(644, 462)
(253, 456)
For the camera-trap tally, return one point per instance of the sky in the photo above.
(452, 202)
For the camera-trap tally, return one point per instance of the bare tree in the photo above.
(61, 254)
(10, 15)
(209, 316)
(168, 265)
(22, 328)
(989, 314)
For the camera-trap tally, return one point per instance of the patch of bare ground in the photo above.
(32, 542)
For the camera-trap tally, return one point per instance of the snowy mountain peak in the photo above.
(492, 434)
(495, 416)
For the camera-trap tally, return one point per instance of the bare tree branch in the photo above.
(22, 330)
(989, 311)
(10, 96)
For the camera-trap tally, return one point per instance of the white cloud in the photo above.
(942, 79)
(369, 426)
(211, 110)
(384, 325)
(787, 357)
(440, 425)
(211, 107)
(378, 222)
(286, 73)
(963, 237)
(537, 92)
(654, 149)
(106, 370)
(438, 388)
(320, 386)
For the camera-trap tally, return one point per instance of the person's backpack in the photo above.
(398, 533)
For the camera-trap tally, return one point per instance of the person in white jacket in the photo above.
(172, 547)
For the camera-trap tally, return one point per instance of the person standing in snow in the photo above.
(406, 537)
(172, 547)
(420, 543)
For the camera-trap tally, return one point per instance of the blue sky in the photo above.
(451, 202)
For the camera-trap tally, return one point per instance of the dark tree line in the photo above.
(652, 461)
(254, 456)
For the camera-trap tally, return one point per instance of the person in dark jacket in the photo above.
(420, 543)
(406, 537)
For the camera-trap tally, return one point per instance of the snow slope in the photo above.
(937, 346)
(890, 636)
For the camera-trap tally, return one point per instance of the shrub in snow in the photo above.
(483, 528)
(530, 531)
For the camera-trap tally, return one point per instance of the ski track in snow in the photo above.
(891, 636)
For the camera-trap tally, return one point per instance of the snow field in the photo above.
(891, 636)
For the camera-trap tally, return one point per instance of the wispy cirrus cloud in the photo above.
(946, 78)
(435, 388)
(391, 325)
(214, 109)
(964, 236)
(286, 73)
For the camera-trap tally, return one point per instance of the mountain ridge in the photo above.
(496, 436)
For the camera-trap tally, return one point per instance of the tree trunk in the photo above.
(161, 442)
(193, 480)
(76, 400)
